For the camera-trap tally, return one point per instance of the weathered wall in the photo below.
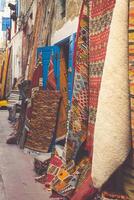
(63, 26)
(72, 8)
(17, 55)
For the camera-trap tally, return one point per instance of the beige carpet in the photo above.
(111, 139)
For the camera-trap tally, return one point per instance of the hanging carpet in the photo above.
(62, 115)
(41, 125)
(112, 129)
(36, 83)
(90, 52)
(43, 121)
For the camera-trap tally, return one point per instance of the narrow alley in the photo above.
(66, 99)
(17, 178)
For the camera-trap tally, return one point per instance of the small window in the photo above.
(63, 8)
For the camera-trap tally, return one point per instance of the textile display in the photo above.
(112, 129)
(5, 72)
(70, 176)
(36, 83)
(43, 120)
(40, 33)
(90, 51)
(51, 84)
(62, 115)
(9, 76)
(53, 169)
(24, 89)
(41, 163)
(64, 178)
(79, 111)
(36, 33)
(89, 62)
(114, 196)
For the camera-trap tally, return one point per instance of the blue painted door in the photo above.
(47, 53)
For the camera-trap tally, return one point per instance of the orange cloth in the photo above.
(62, 119)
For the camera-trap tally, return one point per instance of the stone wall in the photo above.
(72, 10)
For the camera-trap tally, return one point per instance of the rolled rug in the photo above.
(112, 128)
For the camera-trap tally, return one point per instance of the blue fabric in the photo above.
(6, 23)
(47, 52)
(71, 67)
(56, 62)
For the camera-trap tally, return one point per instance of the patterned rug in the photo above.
(112, 128)
(90, 52)
(42, 123)
(41, 119)
(92, 39)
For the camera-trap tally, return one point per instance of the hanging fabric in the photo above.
(112, 122)
(90, 52)
(42, 123)
(71, 67)
(36, 83)
(89, 64)
(50, 53)
(62, 115)
(5, 73)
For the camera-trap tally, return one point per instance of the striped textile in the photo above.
(91, 46)
(90, 52)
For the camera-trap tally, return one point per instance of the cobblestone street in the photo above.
(16, 169)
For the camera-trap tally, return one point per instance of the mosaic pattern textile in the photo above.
(89, 58)
(79, 113)
(64, 178)
(43, 120)
(35, 84)
(90, 55)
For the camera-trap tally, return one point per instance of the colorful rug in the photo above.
(5, 73)
(90, 52)
(92, 39)
(42, 124)
(41, 118)
(36, 83)
(112, 128)
(78, 124)
(24, 90)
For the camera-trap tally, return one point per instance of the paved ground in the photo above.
(16, 170)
